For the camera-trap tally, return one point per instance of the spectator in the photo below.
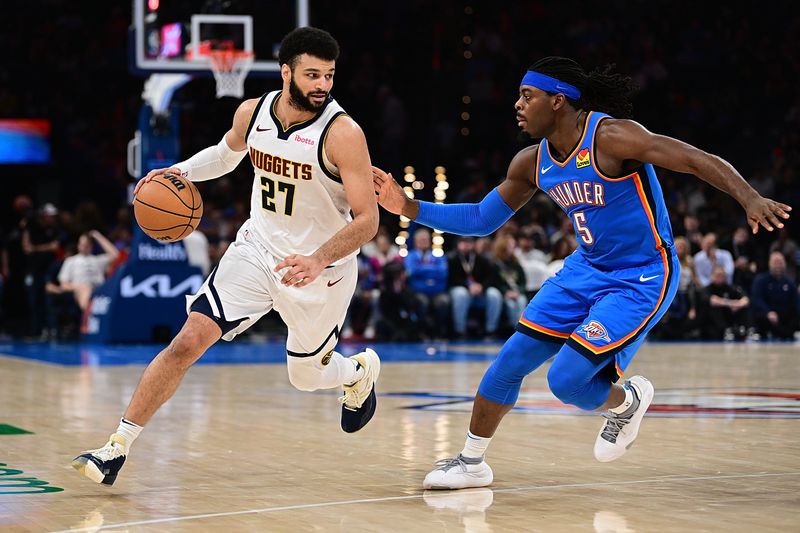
(725, 315)
(470, 276)
(533, 261)
(83, 272)
(40, 243)
(709, 257)
(788, 247)
(427, 277)
(744, 253)
(400, 318)
(510, 277)
(63, 313)
(680, 319)
(691, 230)
(775, 301)
(196, 246)
(561, 249)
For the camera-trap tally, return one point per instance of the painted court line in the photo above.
(419, 496)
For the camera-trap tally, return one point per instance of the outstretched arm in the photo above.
(217, 160)
(626, 139)
(464, 219)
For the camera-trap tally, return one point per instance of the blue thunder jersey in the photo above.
(620, 222)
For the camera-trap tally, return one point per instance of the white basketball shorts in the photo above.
(244, 287)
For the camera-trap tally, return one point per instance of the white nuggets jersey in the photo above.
(298, 200)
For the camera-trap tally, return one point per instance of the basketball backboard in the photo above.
(166, 34)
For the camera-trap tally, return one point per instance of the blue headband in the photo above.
(550, 85)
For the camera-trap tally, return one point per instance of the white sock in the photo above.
(475, 446)
(130, 431)
(626, 403)
(340, 370)
(352, 371)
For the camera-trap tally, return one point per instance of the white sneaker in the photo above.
(103, 464)
(458, 473)
(359, 400)
(618, 433)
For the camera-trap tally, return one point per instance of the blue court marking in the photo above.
(242, 352)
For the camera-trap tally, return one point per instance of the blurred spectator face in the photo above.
(84, 245)
(466, 245)
(22, 204)
(504, 245)
(383, 243)
(681, 247)
(740, 235)
(709, 244)
(525, 242)
(690, 223)
(47, 215)
(422, 240)
(483, 245)
(718, 276)
(777, 264)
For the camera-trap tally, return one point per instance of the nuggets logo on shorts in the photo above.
(582, 159)
(595, 330)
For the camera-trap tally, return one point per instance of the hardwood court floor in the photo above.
(237, 449)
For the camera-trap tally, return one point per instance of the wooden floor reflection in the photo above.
(237, 449)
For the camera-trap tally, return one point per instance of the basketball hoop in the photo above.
(230, 68)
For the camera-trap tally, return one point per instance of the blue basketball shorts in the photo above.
(604, 315)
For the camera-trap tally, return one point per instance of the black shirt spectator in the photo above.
(774, 298)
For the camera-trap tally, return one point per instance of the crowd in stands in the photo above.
(708, 74)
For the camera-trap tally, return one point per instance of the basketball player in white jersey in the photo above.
(296, 253)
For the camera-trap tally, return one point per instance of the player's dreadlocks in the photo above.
(603, 90)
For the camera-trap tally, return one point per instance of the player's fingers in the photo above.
(774, 220)
(287, 261)
(754, 225)
(764, 222)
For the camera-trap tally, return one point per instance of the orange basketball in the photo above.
(168, 208)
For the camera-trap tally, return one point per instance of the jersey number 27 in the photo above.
(268, 190)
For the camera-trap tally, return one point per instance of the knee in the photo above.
(562, 385)
(493, 294)
(185, 349)
(459, 294)
(303, 375)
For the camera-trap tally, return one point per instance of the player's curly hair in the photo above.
(312, 41)
(602, 90)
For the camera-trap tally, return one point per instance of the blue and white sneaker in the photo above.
(103, 464)
(359, 400)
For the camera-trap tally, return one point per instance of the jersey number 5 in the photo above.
(268, 195)
(580, 226)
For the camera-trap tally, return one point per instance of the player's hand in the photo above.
(766, 212)
(389, 194)
(153, 173)
(303, 269)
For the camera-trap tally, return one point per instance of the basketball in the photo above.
(168, 208)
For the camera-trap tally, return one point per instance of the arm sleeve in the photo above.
(211, 163)
(479, 219)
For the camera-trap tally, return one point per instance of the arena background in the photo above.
(431, 83)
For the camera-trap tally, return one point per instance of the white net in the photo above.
(230, 69)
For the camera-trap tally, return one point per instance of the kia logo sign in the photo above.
(159, 286)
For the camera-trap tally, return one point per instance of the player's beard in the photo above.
(300, 101)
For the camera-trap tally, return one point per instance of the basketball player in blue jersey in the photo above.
(595, 313)
(312, 208)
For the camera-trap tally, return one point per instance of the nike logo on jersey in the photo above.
(259, 128)
(642, 278)
(544, 170)
(331, 284)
